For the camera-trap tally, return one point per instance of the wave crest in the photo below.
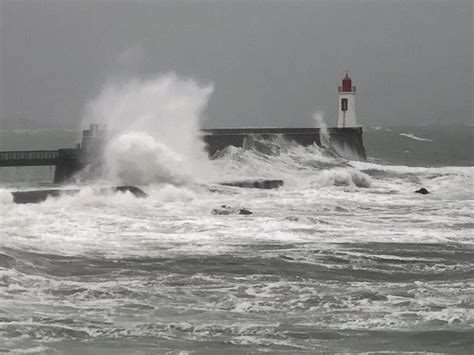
(152, 129)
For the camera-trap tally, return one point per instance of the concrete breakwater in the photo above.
(346, 141)
(343, 139)
(36, 196)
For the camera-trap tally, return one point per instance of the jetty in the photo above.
(69, 161)
(345, 139)
(66, 161)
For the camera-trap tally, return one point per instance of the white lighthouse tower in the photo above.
(347, 113)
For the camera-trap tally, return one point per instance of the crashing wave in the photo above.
(277, 158)
(155, 129)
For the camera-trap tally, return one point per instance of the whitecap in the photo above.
(412, 136)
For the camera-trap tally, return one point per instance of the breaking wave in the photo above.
(278, 158)
(152, 129)
(137, 158)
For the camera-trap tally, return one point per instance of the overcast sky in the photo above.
(272, 63)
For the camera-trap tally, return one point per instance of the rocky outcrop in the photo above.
(132, 189)
(422, 191)
(227, 210)
(255, 184)
(37, 196)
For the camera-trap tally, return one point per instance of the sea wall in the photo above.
(69, 162)
(346, 141)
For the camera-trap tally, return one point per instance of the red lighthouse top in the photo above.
(347, 84)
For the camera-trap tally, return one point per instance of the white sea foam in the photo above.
(315, 247)
(343, 177)
(316, 183)
(412, 136)
(5, 197)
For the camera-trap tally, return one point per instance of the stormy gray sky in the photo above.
(273, 63)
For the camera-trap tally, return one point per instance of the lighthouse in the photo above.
(347, 113)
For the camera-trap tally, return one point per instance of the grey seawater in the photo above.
(421, 145)
(262, 299)
(343, 258)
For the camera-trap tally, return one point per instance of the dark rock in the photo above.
(37, 196)
(227, 210)
(255, 184)
(132, 189)
(422, 191)
(220, 211)
(244, 211)
(223, 210)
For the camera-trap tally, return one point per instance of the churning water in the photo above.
(343, 258)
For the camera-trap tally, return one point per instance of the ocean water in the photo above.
(344, 258)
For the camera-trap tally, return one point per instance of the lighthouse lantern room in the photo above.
(347, 114)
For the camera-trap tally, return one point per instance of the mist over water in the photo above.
(152, 129)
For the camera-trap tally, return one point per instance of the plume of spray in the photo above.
(152, 127)
(318, 118)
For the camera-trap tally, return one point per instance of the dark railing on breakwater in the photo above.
(66, 161)
(31, 154)
(29, 158)
(36, 157)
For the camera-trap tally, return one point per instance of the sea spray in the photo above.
(345, 151)
(152, 129)
(324, 138)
